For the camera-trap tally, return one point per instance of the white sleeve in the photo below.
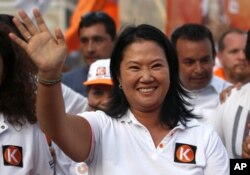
(217, 158)
(43, 162)
(216, 120)
(63, 162)
(73, 101)
(97, 120)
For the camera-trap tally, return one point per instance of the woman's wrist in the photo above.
(48, 81)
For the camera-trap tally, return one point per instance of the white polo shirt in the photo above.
(124, 146)
(206, 100)
(231, 119)
(24, 150)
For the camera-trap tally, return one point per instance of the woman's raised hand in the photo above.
(48, 52)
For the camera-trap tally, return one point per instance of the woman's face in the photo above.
(1, 69)
(144, 75)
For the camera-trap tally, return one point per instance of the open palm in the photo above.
(47, 52)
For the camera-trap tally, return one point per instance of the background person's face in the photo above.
(195, 63)
(233, 57)
(96, 43)
(99, 96)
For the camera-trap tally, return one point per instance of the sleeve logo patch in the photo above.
(12, 155)
(185, 153)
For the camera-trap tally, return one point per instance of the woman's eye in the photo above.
(134, 68)
(156, 66)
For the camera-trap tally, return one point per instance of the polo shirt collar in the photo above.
(215, 84)
(3, 125)
(130, 118)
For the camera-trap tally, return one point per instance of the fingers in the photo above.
(26, 27)
(18, 41)
(222, 97)
(39, 20)
(22, 29)
(59, 36)
(30, 27)
(246, 148)
(245, 155)
(238, 85)
(225, 93)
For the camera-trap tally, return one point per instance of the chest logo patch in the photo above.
(185, 153)
(12, 155)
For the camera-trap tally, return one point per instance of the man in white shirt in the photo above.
(232, 119)
(196, 53)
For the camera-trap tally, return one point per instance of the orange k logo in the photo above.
(12, 155)
(185, 153)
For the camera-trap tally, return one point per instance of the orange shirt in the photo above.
(220, 73)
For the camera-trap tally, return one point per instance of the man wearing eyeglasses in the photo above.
(97, 32)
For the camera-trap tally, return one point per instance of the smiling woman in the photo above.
(144, 76)
(146, 114)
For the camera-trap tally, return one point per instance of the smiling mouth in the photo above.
(146, 90)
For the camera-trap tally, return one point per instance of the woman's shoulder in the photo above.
(200, 126)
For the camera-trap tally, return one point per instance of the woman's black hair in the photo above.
(18, 87)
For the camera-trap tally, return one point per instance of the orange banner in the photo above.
(182, 11)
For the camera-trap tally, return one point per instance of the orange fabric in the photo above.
(85, 6)
(238, 13)
(180, 12)
(220, 73)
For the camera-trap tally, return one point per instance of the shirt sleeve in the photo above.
(73, 101)
(43, 162)
(216, 120)
(217, 158)
(97, 120)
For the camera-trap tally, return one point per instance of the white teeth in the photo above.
(146, 90)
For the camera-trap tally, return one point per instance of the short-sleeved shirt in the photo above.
(124, 146)
(24, 150)
(231, 119)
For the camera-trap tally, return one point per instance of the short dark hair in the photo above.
(96, 17)
(193, 32)
(174, 106)
(221, 44)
